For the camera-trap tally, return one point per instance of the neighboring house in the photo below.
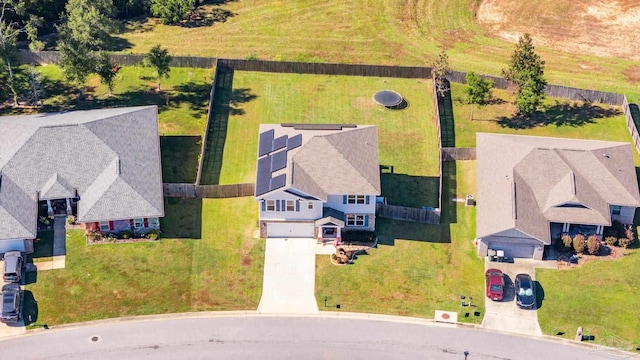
(101, 165)
(317, 180)
(531, 190)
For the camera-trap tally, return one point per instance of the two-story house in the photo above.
(317, 180)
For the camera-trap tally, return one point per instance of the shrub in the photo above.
(611, 240)
(567, 240)
(71, 219)
(153, 234)
(629, 234)
(624, 242)
(126, 234)
(579, 243)
(593, 244)
(251, 56)
(94, 235)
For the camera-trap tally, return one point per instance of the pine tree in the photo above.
(526, 72)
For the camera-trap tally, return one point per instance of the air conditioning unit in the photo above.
(450, 317)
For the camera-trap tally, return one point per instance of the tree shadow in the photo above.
(180, 156)
(226, 102)
(117, 43)
(195, 94)
(182, 218)
(561, 114)
(201, 17)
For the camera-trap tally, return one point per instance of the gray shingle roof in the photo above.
(332, 161)
(110, 157)
(526, 182)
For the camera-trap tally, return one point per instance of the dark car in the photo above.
(494, 280)
(525, 295)
(10, 303)
(12, 266)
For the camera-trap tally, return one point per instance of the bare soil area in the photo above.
(596, 27)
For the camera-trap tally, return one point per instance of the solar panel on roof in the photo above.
(263, 178)
(265, 142)
(279, 143)
(278, 161)
(278, 182)
(294, 142)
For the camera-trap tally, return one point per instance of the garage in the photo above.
(514, 250)
(11, 245)
(290, 230)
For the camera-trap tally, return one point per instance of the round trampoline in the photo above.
(388, 98)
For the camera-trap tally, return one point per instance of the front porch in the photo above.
(559, 229)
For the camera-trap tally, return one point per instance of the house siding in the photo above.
(302, 213)
(626, 215)
(337, 202)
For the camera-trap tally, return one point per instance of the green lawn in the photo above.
(220, 271)
(416, 268)
(600, 296)
(395, 32)
(406, 137)
(557, 118)
(182, 104)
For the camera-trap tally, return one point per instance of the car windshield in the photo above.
(525, 292)
(496, 288)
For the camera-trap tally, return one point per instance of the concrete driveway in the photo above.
(505, 315)
(288, 286)
(13, 329)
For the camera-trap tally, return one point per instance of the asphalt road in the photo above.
(207, 336)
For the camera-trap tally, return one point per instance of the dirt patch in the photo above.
(632, 74)
(586, 27)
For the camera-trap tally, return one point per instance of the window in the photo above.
(310, 205)
(271, 205)
(291, 205)
(355, 220)
(104, 226)
(615, 209)
(355, 199)
(138, 223)
(154, 223)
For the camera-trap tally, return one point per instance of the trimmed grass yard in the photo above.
(600, 296)
(415, 269)
(220, 271)
(563, 119)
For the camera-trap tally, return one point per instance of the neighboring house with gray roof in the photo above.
(101, 165)
(317, 180)
(531, 190)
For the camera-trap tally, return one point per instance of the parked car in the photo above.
(12, 266)
(10, 303)
(494, 280)
(525, 294)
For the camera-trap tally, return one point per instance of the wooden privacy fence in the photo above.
(424, 215)
(436, 99)
(559, 91)
(53, 57)
(208, 191)
(453, 154)
(203, 149)
(631, 124)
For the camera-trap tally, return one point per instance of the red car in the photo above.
(494, 281)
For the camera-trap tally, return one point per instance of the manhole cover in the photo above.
(446, 316)
(95, 339)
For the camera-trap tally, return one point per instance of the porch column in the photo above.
(69, 210)
(49, 208)
(565, 227)
(599, 230)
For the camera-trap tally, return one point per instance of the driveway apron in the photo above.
(288, 286)
(505, 315)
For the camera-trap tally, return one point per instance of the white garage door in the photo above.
(289, 230)
(514, 250)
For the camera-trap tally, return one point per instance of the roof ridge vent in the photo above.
(573, 183)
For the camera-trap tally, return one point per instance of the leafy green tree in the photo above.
(172, 11)
(440, 71)
(159, 59)
(10, 29)
(86, 30)
(35, 88)
(526, 72)
(478, 90)
(107, 70)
